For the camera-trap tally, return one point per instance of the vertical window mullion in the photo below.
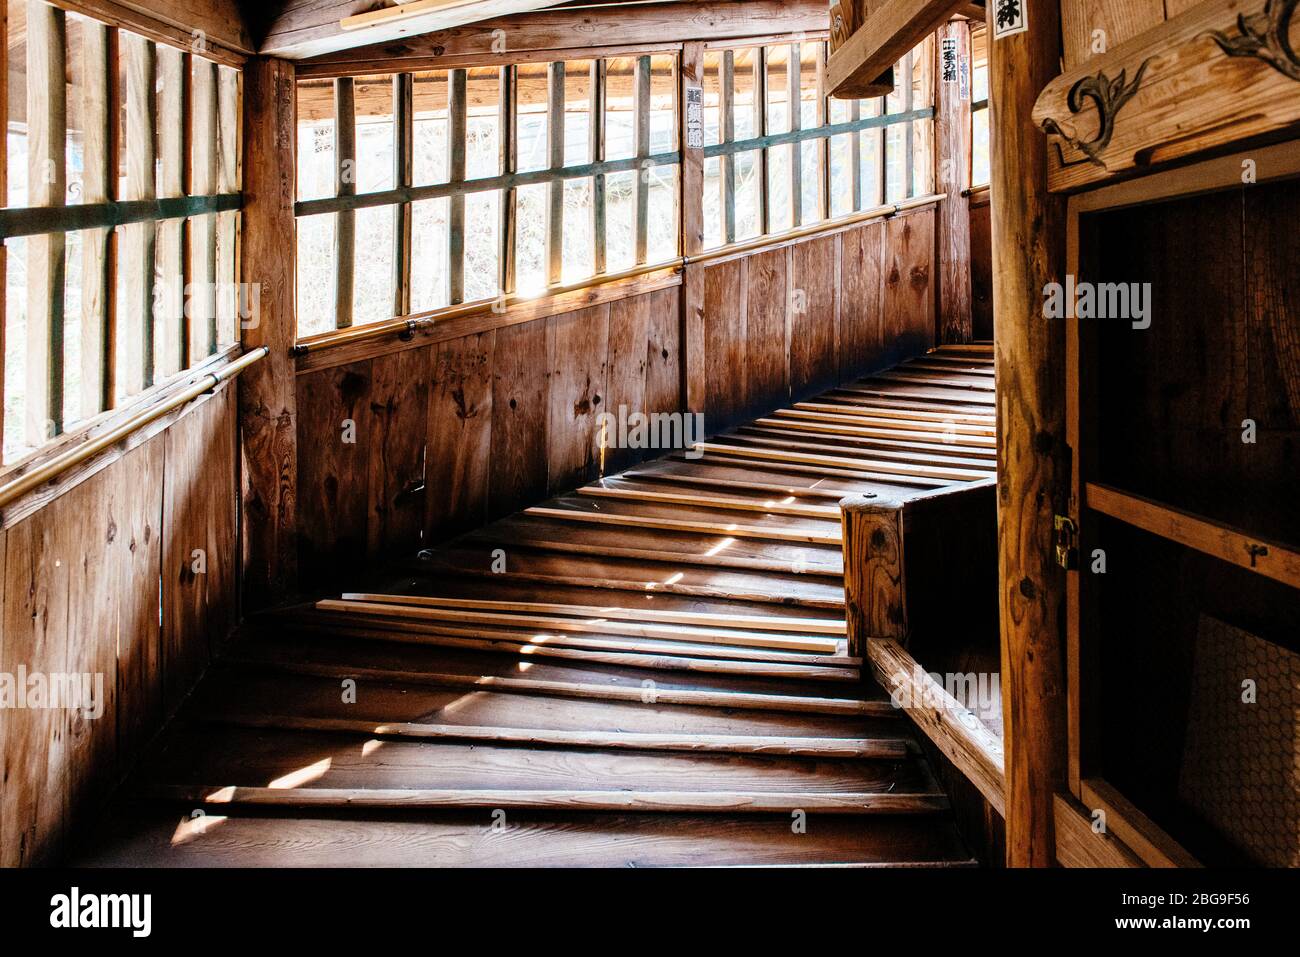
(596, 152)
(643, 65)
(760, 126)
(173, 138)
(824, 143)
(855, 157)
(345, 184)
(138, 238)
(47, 186)
(457, 130)
(203, 333)
(884, 153)
(555, 141)
(908, 186)
(98, 114)
(727, 118)
(795, 103)
(509, 165)
(403, 146)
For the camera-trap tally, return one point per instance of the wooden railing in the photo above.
(887, 588)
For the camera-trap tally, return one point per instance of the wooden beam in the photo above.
(555, 135)
(1078, 845)
(506, 113)
(46, 186)
(596, 79)
(345, 184)
(174, 164)
(562, 28)
(403, 170)
(203, 229)
(690, 99)
(98, 185)
(952, 175)
(874, 587)
(229, 179)
(267, 404)
(955, 729)
(642, 147)
(457, 114)
(1034, 459)
(863, 65)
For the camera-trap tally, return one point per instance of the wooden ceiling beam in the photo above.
(875, 36)
(561, 28)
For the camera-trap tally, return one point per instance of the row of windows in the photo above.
(139, 141)
(420, 191)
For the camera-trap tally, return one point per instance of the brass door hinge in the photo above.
(1067, 542)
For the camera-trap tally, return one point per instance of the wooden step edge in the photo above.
(760, 488)
(534, 643)
(651, 662)
(685, 802)
(822, 471)
(722, 503)
(687, 526)
(783, 640)
(758, 437)
(962, 862)
(783, 746)
(686, 697)
(897, 469)
(426, 568)
(812, 626)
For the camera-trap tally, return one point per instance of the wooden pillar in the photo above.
(874, 596)
(267, 408)
(691, 97)
(1029, 252)
(952, 176)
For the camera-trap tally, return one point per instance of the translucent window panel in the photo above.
(895, 171)
(75, 408)
(841, 152)
(430, 158)
(922, 74)
(483, 124)
(620, 108)
(922, 157)
(808, 83)
(778, 95)
(530, 117)
(979, 169)
(748, 220)
(430, 287)
(744, 106)
(15, 349)
(871, 173)
(316, 177)
(375, 134)
(713, 202)
(662, 219)
(531, 203)
(620, 221)
(780, 211)
(838, 111)
(482, 245)
(663, 104)
(372, 282)
(811, 181)
(894, 100)
(315, 274)
(17, 138)
(74, 139)
(577, 114)
(712, 92)
(579, 253)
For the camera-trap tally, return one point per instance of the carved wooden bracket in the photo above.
(1215, 75)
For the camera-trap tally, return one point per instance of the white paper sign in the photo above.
(1009, 18)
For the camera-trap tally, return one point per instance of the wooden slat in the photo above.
(727, 129)
(882, 467)
(169, 297)
(716, 635)
(98, 184)
(457, 113)
(826, 748)
(642, 145)
(345, 184)
(1078, 845)
(230, 309)
(46, 186)
(1263, 556)
(711, 501)
(1141, 835)
(507, 118)
(751, 622)
(403, 169)
(702, 698)
(596, 154)
(686, 525)
(555, 133)
(203, 229)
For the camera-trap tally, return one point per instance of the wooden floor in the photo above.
(659, 676)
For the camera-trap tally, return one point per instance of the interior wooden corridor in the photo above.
(658, 675)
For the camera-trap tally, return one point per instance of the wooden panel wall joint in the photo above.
(874, 595)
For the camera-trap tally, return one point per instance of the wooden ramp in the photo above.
(657, 675)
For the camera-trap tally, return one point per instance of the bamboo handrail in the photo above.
(58, 465)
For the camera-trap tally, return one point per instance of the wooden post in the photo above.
(1028, 227)
(692, 226)
(952, 176)
(267, 407)
(874, 597)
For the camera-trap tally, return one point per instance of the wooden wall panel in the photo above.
(908, 313)
(725, 369)
(664, 347)
(861, 299)
(520, 414)
(198, 517)
(1117, 21)
(83, 578)
(767, 335)
(333, 458)
(577, 354)
(625, 393)
(981, 270)
(814, 296)
(459, 435)
(399, 409)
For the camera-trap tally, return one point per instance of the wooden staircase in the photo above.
(658, 676)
